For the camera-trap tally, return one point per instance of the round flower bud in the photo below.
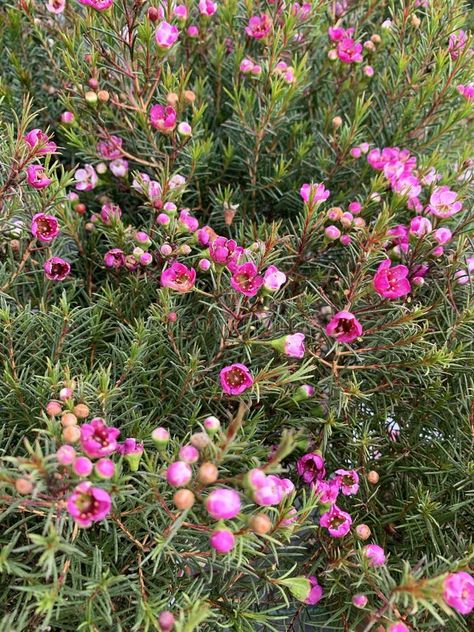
(23, 486)
(105, 468)
(178, 474)
(53, 408)
(65, 394)
(188, 454)
(415, 21)
(332, 55)
(373, 477)
(200, 440)
(163, 219)
(336, 122)
(160, 437)
(166, 618)
(184, 499)
(103, 96)
(81, 411)
(67, 117)
(185, 130)
(172, 99)
(153, 15)
(68, 419)
(91, 97)
(332, 232)
(212, 425)
(223, 504)
(204, 264)
(185, 249)
(208, 473)
(261, 523)
(82, 466)
(172, 317)
(222, 541)
(345, 240)
(66, 455)
(101, 168)
(93, 83)
(376, 38)
(72, 434)
(359, 601)
(80, 209)
(189, 96)
(363, 532)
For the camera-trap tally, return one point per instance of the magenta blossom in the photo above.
(163, 118)
(292, 345)
(337, 522)
(223, 504)
(258, 26)
(225, 252)
(457, 43)
(374, 554)
(207, 7)
(86, 178)
(40, 141)
(36, 177)
(222, 540)
(235, 379)
(88, 504)
(166, 35)
(246, 280)
(349, 51)
(311, 467)
(458, 592)
(349, 481)
(109, 212)
(391, 282)
(44, 227)
(56, 269)
(110, 148)
(466, 90)
(178, 277)
(315, 593)
(98, 439)
(98, 5)
(313, 193)
(344, 327)
(444, 202)
(178, 473)
(114, 258)
(327, 491)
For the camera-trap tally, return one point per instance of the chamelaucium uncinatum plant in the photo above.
(236, 316)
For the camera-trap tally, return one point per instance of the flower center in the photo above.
(235, 377)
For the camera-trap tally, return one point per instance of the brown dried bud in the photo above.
(103, 96)
(199, 440)
(172, 98)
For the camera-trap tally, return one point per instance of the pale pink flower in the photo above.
(444, 202)
(166, 35)
(178, 277)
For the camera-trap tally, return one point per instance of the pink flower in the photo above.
(99, 5)
(311, 467)
(56, 6)
(225, 252)
(163, 118)
(44, 227)
(313, 193)
(114, 258)
(246, 280)
(36, 177)
(327, 491)
(391, 282)
(420, 226)
(348, 50)
(223, 504)
(398, 627)
(337, 33)
(82, 466)
(88, 504)
(110, 148)
(458, 592)
(40, 141)
(291, 345)
(206, 7)
(189, 454)
(374, 554)
(98, 439)
(109, 212)
(467, 91)
(66, 455)
(86, 178)
(359, 601)
(119, 167)
(273, 279)
(187, 221)
(222, 540)
(443, 202)
(457, 42)
(337, 522)
(178, 474)
(258, 26)
(56, 269)
(166, 35)
(178, 277)
(349, 481)
(443, 235)
(105, 468)
(315, 593)
(345, 327)
(235, 379)
(166, 621)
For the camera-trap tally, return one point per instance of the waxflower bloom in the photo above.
(166, 35)
(291, 345)
(258, 26)
(178, 277)
(119, 167)
(222, 540)
(391, 282)
(223, 504)
(56, 269)
(36, 177)
(86, 178)
(40, 141)
(132, 451)
(313, 193)
(163, 118)
(444, 202)
(374, 554)
(273, 279)
(456, 44)
(398, 627)
(114, 258)
(327, 491)
(88, 504)
(178, 474)
(349, 481)
(56, 6)
(98, 439)
(345, 327)
(235, 379)
(458, 592)
(98, 5)
(44, 227)
(207, 7)
(246, 280)
(311, 467)
(315, 593)
(225, 252)
(337, 522)
(349, 51)
(110, 148)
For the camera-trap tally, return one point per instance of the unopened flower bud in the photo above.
(200, 440)
(359, 601)
(172, 99)
(189, 96)
(91, 97)
(81, 411)
(67, 117)
(68, 419)
(208, 473)
(336, 122)
(71, 434)
(160, 437)
(23, 486)
(376, 38)
(363, 531)
(166, 621)
(82, 466)
(212, 425)
(153, 14)
(184, 499)
(93, 83)
(65, 394)
(103, 96)
(415, 21)
(105, 468)
(373, 477)
(260, 524)
(53, 409)
(66, 455)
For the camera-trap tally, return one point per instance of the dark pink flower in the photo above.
(315, 593)
(348, 50)
(312, 193)
(88, 504)
(311, 467)
(40, 141)
(458, 592)
(166, 35)
(109, 211)
(349, 481)
(114, 258)
(56, 269)
(337, 522)
(222, 540)
(163, 118)
(327, 491)
(235, 379)
(457, 42)
(374, 554)
(98, 5)
(225, 252)
(246, 280)
(98, 439)
(44, 227)
(110, 148)
(36, 177)
(391, 282)
(258, 26)
(178, 277)
(345, 327)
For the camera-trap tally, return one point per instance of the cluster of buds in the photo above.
(346, 221)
